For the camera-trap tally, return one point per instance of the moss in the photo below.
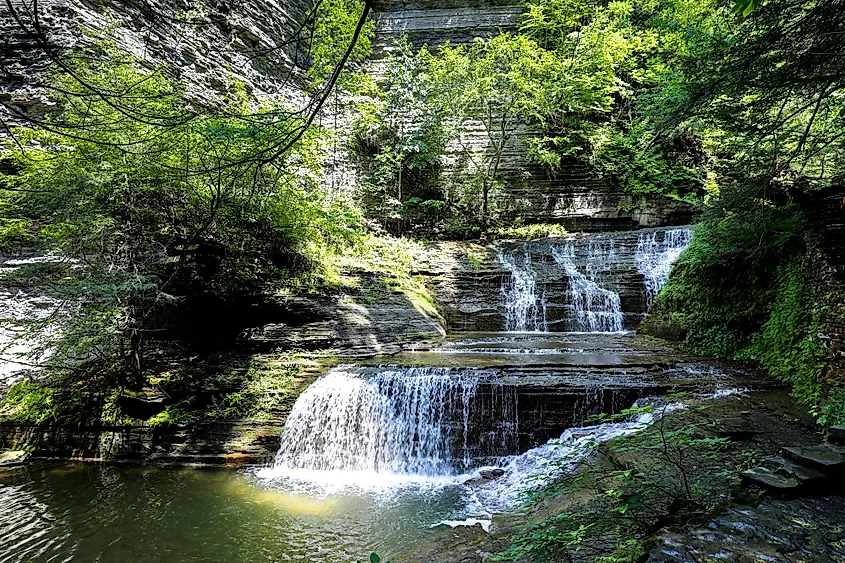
(788, 346)
(538, 230)
(743, 289)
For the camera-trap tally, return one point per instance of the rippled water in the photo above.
(112, 513)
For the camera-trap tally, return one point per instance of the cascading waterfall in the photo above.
(654, 258)
(596, 309)
(524, 311)
(413, 421)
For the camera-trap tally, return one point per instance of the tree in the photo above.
(401, 130)
(141, 216)
(502, 83)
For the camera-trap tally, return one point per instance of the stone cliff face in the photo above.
(211, 44)
(826, 211)
(575, 197)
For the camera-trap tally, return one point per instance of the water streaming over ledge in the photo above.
(525, 311)
(595, 270)
(387, 428)
(596, 309)
(410, 421)
(655, 256)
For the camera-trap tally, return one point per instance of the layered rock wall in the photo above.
(575, 197)
(826, 211)
(211, 45)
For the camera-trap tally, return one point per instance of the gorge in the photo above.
(440, 281)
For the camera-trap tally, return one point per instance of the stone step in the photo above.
(837, 434)
(768, 479)
(826, 457)
(783, 466)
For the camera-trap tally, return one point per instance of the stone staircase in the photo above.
(802, 469)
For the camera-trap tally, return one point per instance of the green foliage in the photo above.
(40, 402)
(154, 204)
(502, 83)
(722, 286)
(15, 233)
(235, 394)
(617, 499)
(741, 290)
(536, 230)
(621, 64)
(788, 345)
(399, 135)
(334, 27)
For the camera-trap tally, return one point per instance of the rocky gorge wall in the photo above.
(575, 196)
(210, 45)
(826, 244)
(214, 46)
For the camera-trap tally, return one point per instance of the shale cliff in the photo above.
(215, 48)
(575, 196)
(210, 45)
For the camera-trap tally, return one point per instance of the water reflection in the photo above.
(108, 513)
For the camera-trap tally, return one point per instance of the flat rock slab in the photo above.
(769, 479)
(825, 457)
(837, 433)
(787, 467)
(13, 458)
(805, 530)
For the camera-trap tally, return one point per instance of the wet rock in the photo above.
(768, 479)
(13, 458)
(776, 531)
(837, 433)
(784, 466)
(485, 476)
(740, 428)
(824, 456)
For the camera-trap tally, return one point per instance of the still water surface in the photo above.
(110, 513)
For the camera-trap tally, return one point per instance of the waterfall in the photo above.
(596, 309)
(524, 312)
(655, 258)
(416, 421)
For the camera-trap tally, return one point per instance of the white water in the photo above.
(539, 466)
(655, 256)
(596, 309)
(588, 263)
(524, 311)
(399, 421)
(385, 431)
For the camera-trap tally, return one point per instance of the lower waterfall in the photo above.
(415, 421)
(384, 429)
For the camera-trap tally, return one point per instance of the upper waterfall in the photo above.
(656, 255)
(595, 283)
(596, 309)
(525, 311)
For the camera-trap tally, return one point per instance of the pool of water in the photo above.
(91, 512)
